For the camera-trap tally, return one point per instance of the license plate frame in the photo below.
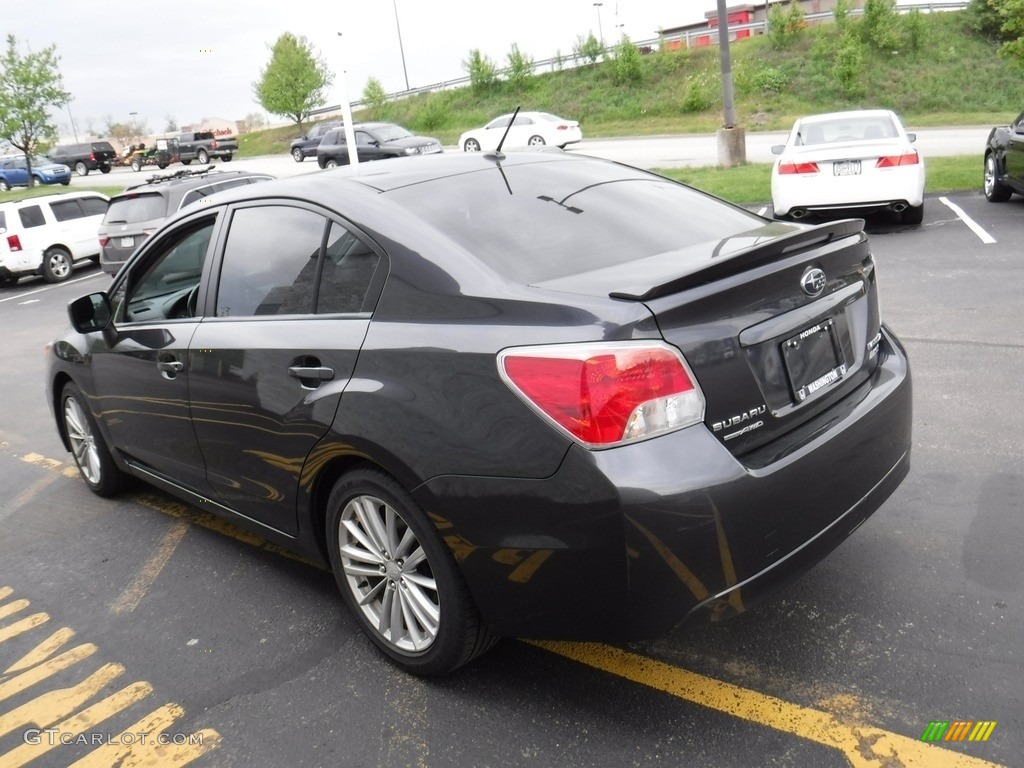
(846, 168)
(813, 359)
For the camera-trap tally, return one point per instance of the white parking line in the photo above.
(50, 287)
(976, 228)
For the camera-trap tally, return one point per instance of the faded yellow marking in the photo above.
(526, 569)
(48, 708)
(70, 472)
(725, 554)
(29, 493)
(43, 651)
(403, 732)
(46, 669)
(29, 622)
(6, 592)
(42, 461)
(151, 754)
(84, 721)
(461, 549)
(13, 607)
(862, 746)
(678, 567)
(149, 573)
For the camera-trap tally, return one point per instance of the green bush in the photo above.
(628, 64)
(588, 48)
(699, 94)
(433, 115)
(483, 72)
(848, 65)
(374, 95)
(520, 67)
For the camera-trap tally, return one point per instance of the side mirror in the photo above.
(777, 149)
(90, 313)
(911, 137)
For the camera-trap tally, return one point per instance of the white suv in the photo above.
(46, 235)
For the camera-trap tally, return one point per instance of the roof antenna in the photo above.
(497, 155)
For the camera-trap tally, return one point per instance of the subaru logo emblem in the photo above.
(813, 281)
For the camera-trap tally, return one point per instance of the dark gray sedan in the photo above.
(535, 395)
(1004, 161)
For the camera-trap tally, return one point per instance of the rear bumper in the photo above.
(628, 543)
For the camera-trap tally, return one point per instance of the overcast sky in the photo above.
(196, 60)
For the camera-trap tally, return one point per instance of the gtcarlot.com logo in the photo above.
(958, 730)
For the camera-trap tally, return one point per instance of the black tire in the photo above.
(995, 190)
(536, 141)
(7, 282)
(81, 168)
(104, 169)
(471, 145)
(913, 214)
(4, 186)
(65, 182)
(226, 158)
(440, 628)
(95, 463)
(161, 166)
(136, 165)
(297, 155)
(56, 265)
(203, 156)
(186, 162)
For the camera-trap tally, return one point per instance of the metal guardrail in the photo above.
(686, 39)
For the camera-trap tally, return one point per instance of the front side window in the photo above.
(270, 262)
(163, 286)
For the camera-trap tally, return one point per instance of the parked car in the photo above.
(374, 141)
(203, 145)
(85, 157)
(555, 397)
(531, 129)
(14, 172)
(860, 162)
(305, 146)
(1004, 161)
(140, 210)
(47, 235)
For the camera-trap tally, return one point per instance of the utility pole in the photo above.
(401, 47)
(600, 31)
(732, 146)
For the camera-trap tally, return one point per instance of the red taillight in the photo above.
(563, 127)
(891, 161)
(104, 241)
(92, 157)
(789, 167)
(13, 243)
(603, 394)
(213, 144)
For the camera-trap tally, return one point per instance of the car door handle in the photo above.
(171, 366)
(311, 372)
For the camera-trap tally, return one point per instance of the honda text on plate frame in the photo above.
(487, 429)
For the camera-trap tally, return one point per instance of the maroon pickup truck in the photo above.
(203, 145)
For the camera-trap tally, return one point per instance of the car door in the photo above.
(15, 172)
(141, 379)
(78, 221)
(267, 370)
(368, 147)
(520, 132)
(1015, 152)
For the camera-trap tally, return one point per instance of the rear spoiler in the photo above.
(744, 259)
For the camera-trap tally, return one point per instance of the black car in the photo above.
(305, 146)
(535, 395)
(1004, 161)
(374, 141)
(137, 212)
(85, 157)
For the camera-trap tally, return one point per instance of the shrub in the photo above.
(588, 48)
(433, 115)
(629, 68)
(520, 67)
(483, 73)
(374, 95)
(848, 65)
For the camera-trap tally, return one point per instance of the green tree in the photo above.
(374, 95)
(294, 81)
(30, 86)
(588, 48)
(483, 72)
(1011, 17)
(785, 26)
(520, 67)
(629, 66)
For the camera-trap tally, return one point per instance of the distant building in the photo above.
(706, 32)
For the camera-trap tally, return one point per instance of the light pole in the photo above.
(401, 48)
(600, 31)
(346, 109)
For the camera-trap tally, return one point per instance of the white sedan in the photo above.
(860, 161)
(531, 129)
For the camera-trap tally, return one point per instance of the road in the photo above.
(678, 151)
(120, 616)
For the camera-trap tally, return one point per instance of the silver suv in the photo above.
(47, 235)
(139, 211)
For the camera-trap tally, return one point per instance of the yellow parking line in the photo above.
(862, 746)
(144, 579)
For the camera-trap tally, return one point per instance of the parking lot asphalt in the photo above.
(123, 618)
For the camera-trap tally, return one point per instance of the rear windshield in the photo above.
(131, 209)
(547, 220)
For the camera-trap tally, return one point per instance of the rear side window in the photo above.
(270, 262)
(93, 206)
(131, 209)
(31, 216)
(349, 265)
(65, 210)
(3, 220)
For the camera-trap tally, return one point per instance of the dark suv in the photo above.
(89, 156)
(305, 146)
(140, 210)
(374, 141)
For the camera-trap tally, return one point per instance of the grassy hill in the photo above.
(934, 70)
